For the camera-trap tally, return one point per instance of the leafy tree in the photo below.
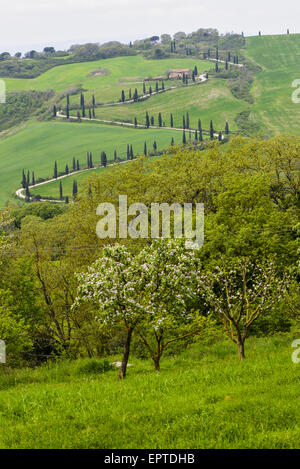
(239, 292)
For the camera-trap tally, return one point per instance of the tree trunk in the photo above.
(241, 350)
(122, 373)
(156, 363)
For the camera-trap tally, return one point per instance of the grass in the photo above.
(123, 72)
(203, 398)
(279, 58)
(208, 101)
(37, 146)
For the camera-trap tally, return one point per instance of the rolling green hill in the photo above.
(113, 75)
(37, 146)
(279, 58)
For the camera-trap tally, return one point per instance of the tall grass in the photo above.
(203, 398)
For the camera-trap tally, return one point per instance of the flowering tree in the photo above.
(113, 283)
(151, 290)
(239, 293)
(169, 275)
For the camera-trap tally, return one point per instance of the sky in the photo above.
(34, 24)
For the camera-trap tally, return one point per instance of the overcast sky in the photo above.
(33, 24)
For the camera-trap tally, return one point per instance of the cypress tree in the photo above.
(150, 90)
(93, 101)
(60, 191)
(226, 65)
(193, 76)
(67, 199)
(67, 169)
(68, 100)
(74, 192)
(172, 141)
(88, 160)
(90, 113)
(33, 179)
(183, 78)
(55, 171)
(187, 121)
(104, 160)
(171, 121)
(78, 166)
(196, 135)
(162, 85)
(28, 178)
(135, 122)
(211, 131)
(74, 164)
(147, 120)
(183, 122)
(23, 179)
(154, 146)
(54, 111)
(174, 46)
(159, 120)
(172, 50)
(200, 135)
(156, 87)
(195, 70)
(217, 67)
(131, 152)
(82, 106)
(226, 128)
(217, 53)
(199, 125)
(144, 88)
(123, 96)
(152, 120)
(67, 112)
(129, 93)
(135, 95)
(78, 115)
(128, 152)
(91, 161)
(145, 149)
(220, 137)
(27, 192)
(229, 57)
(115, 156)
(183, 138)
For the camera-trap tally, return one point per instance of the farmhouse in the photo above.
(178, 73)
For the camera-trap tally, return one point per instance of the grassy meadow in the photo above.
(38, 145)
(204, 398)
(121, 72)
(279, 58)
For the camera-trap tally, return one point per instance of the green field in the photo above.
(37, 146)
(204, 398)
(123, 72)
(207, 101)
(279, 57)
